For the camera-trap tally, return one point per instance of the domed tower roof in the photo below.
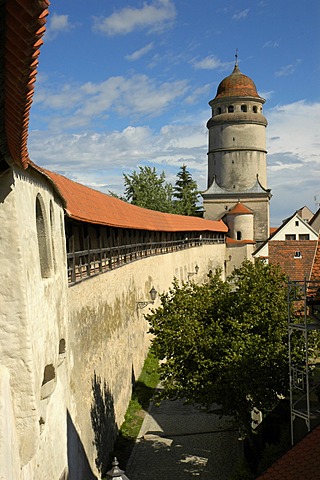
(237, 85)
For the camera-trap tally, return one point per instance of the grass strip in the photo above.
(142, 394)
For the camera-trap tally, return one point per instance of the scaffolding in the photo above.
(303, 322)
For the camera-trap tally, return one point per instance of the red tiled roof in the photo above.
(315, 273)
(239, 242)
(88, 205)
(237, 85)
(282, 252)
(240, 209)
(273, 230)
(301, 462)
(24, 26)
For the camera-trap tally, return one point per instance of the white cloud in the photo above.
(100, 159)
(57, 24)
(139, 53)
(154, 16)
(294, 128)
(271, 44)
(287, 69)
(293, 144)
(240, 15)
(79, 105)
(211, 62)
(266, 95)
(198, 92)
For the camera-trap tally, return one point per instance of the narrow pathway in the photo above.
(180, 442)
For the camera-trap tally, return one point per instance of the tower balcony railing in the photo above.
(84, 264)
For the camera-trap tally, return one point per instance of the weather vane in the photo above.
(236, 55)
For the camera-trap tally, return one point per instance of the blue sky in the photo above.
(123, 83)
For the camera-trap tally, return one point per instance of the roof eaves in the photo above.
(25, 26)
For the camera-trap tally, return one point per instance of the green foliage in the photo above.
(225, 342)
(187, 194)
(147, 189)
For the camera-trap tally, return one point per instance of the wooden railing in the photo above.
(87, 263)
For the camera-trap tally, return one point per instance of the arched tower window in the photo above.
(230, 109)
(255, 109)
(218, 112)
(244, 108)
(43, 244)
(239, 235)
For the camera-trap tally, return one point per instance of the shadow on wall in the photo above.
(78, 465)
(103, 423)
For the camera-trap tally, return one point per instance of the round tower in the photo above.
(237, 156)
(240, 222)
(237, 135)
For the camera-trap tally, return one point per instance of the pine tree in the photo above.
(186, 194)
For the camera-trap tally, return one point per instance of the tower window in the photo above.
(218, 111)
(230, 109)
(255, 109)
(239, 235)
(244, 108)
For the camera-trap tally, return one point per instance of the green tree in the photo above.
(225, 342)
(147, 189)
(187, 194)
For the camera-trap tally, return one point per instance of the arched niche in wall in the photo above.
(52, 228)
(43, 241)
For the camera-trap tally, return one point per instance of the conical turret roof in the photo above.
(237, 85)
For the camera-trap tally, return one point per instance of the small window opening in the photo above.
(297, 255)
(49, 382)
(239, 236)
(255, 109)
(233, 139)
(48, 374)
(62, 346)
(297, 223)
(244, 108)
(218, 112)
(230, 109)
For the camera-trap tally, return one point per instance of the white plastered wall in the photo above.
(33, 317)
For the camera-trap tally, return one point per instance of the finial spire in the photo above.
(236, 58)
